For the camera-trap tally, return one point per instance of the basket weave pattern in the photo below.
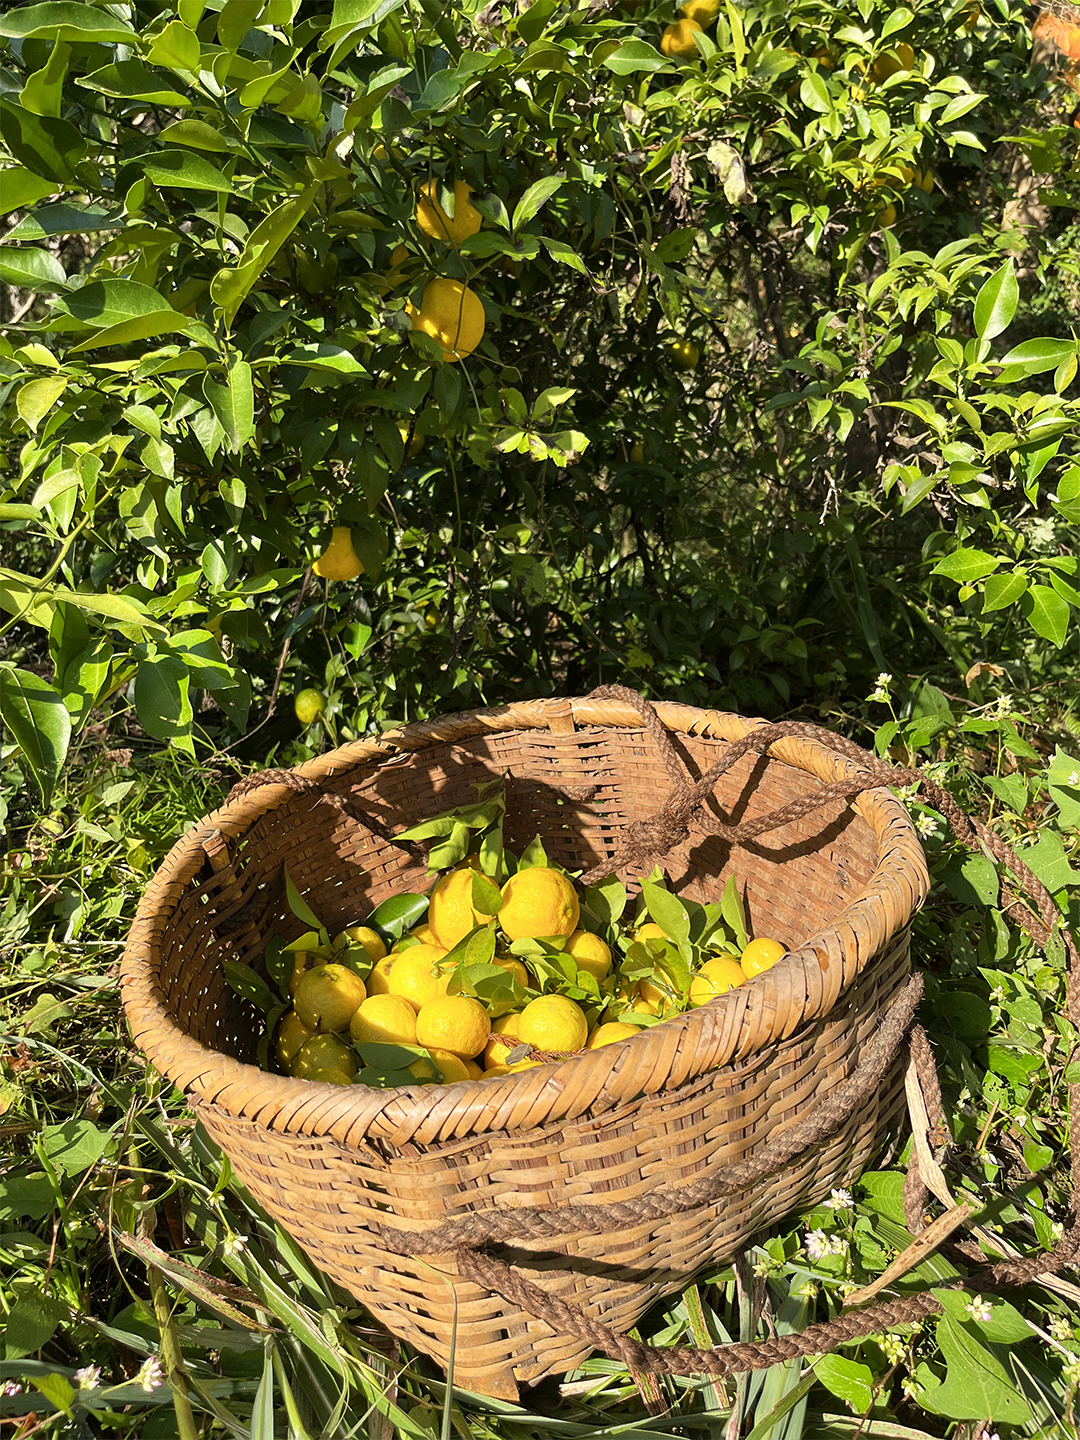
(702, 1092)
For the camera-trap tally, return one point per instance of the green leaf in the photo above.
(996, 302)
(976, 1384)
(30, 268)
(487, 898)
(1047, 613)
(321, 355)
(1048, 860)
(38, 721)
(398, 913)
(847, 1380)
(29, 1195)
(236, 19)
(132, 80)
(966, 565)
(74, 1145)
(634, 57)
(178, 169)
(299, 906)
(667, 910)
(972, 880)
(66, 20)
(535, 197)
(229, 287)
(56, 1388)
(899, 19)
(44, 88)
(1033, 357)
(37, 397)
(734, 913)
(607, 900)
(176, 47)
(195, 133)
(249, 986)
(110, 302)
(1002, 590)
(234, 404)
(20, 187)
(60, 219)
(31, 1323)
(162, 700)
(564, 253)
(46, 146)
(141, 327)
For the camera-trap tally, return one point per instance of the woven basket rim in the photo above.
(731, 1027)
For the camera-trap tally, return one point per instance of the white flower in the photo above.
(88, 1378)
(979, 1309)
(926, 825)
(1020, 1118)
(997, 995)
(817, 1244)
(1004, 704)
(840, 1200)
(884, 680)
(151, 1376)
(1060, 1328)
(232, 1245)
(9, 1387)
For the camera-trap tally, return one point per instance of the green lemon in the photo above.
(309, 705)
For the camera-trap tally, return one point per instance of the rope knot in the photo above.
(658, 834)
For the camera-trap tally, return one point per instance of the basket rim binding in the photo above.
(804, 985)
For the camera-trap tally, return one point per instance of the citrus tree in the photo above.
(428, 355)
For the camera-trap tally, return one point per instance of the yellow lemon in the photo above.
(456, 1023)
(637, 452)
(329, 1075)
(650, 931)
(303, 962)
(714, 978)
(590, 953)
(327, 997)
(475, 1072)
(538, 902)
(452, 315)
(384, 1020)
(452, 1066)
(323, 1052)
(611, 1032)
(885, 217)
(308, 706)
(378, 981)
(434, 221)
(339, 561)
(291, 1034)
(901, 57)
(450, 912)
(703, 11)
(424, 934)
(677, 41)
(554, 1023)
(683, 354)
(363, 935)
(761, 954)
(505, 1036)
(414, 974)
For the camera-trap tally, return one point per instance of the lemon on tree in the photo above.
(434, 221)
(683, 353)
(452, 315)
(327, 997)
(339, 561)
(553, 1022)
(309, 705)
(456, 1023)
(677, 41)
(704, 12)
(538, 902)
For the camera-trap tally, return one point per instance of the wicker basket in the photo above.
(681, 1100)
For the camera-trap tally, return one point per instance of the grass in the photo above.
(145, 1293)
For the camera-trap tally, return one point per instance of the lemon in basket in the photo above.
(328, 996)
(505, 1036)
(443, 1067)
(761, 954)
(538, 902)
(715, 978)
(363, 935)
(456, 1023)
(554, 1022)
(450, 912)
(415, 976)
(291, 1034)
(590, 953)
(611, 1032)
(384, 1020)
(323, 1052)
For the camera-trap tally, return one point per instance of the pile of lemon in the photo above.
(367, 1012)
